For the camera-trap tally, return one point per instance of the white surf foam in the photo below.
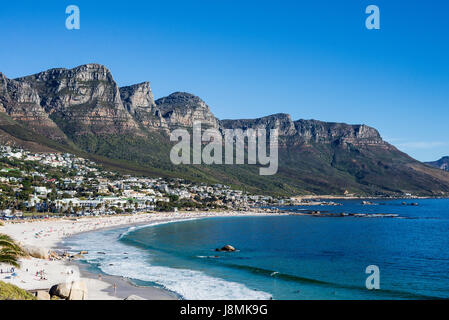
(135, 263)
(135, 228)
(190, 284)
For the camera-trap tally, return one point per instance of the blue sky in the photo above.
(246, 59)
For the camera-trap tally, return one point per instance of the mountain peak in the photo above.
(85, 99)
(180, 100)
(85, 108)
(137, 96)
(144, 84)
(181, 94)
(442, 164)
(182, 108)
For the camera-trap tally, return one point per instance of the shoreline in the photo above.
(124, 286)
(50, 234)
(343, 197)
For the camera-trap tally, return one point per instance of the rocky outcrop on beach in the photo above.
(75, 290)
(42, 295)
(37, 252)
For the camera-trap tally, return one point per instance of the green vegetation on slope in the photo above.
(12, 292)
(304, 168)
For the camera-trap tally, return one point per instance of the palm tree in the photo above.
(10, 252)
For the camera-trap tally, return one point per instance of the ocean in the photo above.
(286, 257)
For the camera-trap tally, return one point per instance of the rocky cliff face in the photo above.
(86, 100)
(82, 100)
(22, 103)
(139, 101)
(138, 96)
(85, 109)
(340, 133)
(182, 109)
(280, 121)
(311, 131)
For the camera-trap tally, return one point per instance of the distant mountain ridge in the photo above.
(83, 110)
(442, 164)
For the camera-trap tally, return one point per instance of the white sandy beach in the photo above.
(49, 233)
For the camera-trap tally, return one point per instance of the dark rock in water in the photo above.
(101, 252)
(226, 248)
(414, 204)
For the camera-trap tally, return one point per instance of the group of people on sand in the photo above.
(11, 270)
(41, 275)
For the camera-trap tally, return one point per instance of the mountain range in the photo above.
(442, 164)
(83, 111)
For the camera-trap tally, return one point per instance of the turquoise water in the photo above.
(288, 257)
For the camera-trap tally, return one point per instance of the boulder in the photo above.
(76, 290)
(134, 297)
(77, 256)
(54, 255)
(61, 290)
(42, 295)
(227, 248)
(84, 252)
(36, 252)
